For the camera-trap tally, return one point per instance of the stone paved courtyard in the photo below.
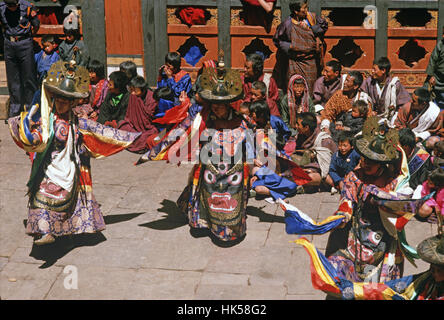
(147, 251)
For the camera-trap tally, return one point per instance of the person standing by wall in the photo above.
(19, 22)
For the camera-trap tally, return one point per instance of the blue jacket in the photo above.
(282, 131)
(44, 63)
(184, 84)
(340, 166)
(19, 23)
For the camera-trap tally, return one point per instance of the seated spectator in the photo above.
(130, 69)
(430, 143)
(165, 101)
(438, 149)
(421, 115)
(266, 182)
(387, 94)
(74, 49)
(438, 155)
(330, 82)
(260, 113)
(258, 13)
(254, 71)
(351, 121)
(342, 162)
(342, 100)
(46, 57)
(98, 88)
(171, 76)
(139, 114)
(296, 100)
(114, 108)
(435, 205)
(312, 149)
(418, 159)
(244, 108)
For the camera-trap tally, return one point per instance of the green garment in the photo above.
(285, 113)
(113, 108)
(436, 65)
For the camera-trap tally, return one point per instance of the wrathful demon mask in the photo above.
(222, 192)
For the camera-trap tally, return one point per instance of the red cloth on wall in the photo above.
(192, 16)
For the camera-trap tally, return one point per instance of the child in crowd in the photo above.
(98, 86)
(434, 206)
(165, 101)
(342, 162)
(171, 76)
(259, 92)
(260, 113)
(130, 69)
(140, 114)
(266, 182)
(295, 101)
(98, 89)
(74, 49)
(351, 121)
(438, 154)
(46, 57)
(113, 109)
(244, 108)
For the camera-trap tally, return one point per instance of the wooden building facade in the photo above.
(145, 30)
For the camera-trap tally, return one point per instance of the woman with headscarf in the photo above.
(297, 100)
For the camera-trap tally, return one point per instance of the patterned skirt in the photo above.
(85, 218)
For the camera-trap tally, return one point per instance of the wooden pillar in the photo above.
(285, 10)
(223, 28)
(315, 6)
(440, 18)
(149, 41)
(381, 30)
(93, 14)
(160, 23)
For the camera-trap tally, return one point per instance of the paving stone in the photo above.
(277, 237)
(9, 234)
(3, 104)
(211, 278)
(153, 284)
(22, 281)
(3, 262)
(176, 249)
(134, 200)
(125, 223)
(235, 259)
(15, 178)
(307, 203)
(117, 253)
(273, 268)
(230, 292)
(93, 283)
(109, 196)
(299, 280)
(316, 296)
